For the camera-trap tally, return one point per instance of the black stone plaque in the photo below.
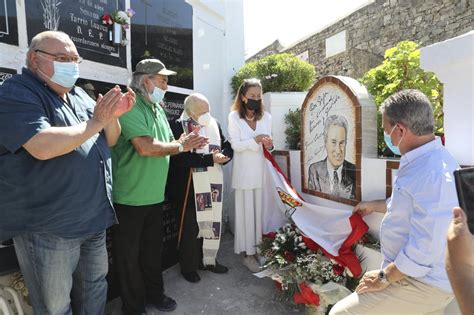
(6, 74)
(173, 105)
(81, 20)
(8, 23)
(162, 29)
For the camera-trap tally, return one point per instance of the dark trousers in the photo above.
(190, 248)
(137, 243)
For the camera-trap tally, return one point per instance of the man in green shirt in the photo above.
(140, 163)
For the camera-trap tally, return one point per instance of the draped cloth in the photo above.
(333, 230)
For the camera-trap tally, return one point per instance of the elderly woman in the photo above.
(249, 128)
(140, 166)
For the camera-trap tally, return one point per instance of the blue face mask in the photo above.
(65, 73)
(157, 95)
(388, 141)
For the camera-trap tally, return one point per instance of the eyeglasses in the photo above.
(62, 58)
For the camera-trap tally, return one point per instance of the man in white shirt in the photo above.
(412, 279)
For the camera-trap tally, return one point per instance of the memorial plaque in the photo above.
(8, 22)
(331, 131)
(81, 20)
(173, 105)
(162, 29)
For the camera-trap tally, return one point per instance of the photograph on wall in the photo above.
(329, 159)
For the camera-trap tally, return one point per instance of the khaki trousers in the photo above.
(408, 296)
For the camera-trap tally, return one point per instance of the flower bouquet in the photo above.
(303, 271)
(120, 22)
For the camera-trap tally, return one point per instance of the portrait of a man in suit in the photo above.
(334, 175)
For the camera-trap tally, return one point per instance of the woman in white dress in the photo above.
(249, 128)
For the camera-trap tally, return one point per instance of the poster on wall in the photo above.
(163, 29)
(329, 153)
(82, 21)
(8, 22)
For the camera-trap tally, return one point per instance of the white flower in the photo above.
(122, 15)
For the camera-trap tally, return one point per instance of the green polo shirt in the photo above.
(138, 180)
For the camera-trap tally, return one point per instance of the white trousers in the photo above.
(408, 296)
(248, 220)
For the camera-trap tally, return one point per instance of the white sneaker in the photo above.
(251, 263)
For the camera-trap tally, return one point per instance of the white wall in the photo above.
(218, 46)
(278, 104)
(453, 63)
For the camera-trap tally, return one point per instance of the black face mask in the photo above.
(253, 104)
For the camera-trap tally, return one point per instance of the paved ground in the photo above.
(238, 292)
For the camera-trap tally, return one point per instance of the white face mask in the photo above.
(157, 95)
(204, 119)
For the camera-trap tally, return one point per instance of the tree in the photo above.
(401, 70)
(277, 72)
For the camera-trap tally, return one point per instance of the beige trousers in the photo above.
(408, 296)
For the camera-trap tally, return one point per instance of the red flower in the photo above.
(338, 269)
(289, 256)
(271, 235)
(278, 285)
(310, 243)
(107, 19)
(307, 296)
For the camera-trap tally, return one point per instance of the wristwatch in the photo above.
(383, 277)
(181, 148)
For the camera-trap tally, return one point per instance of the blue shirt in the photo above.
(414, 229)
(69, 195)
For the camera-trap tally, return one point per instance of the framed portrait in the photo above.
(331, 148)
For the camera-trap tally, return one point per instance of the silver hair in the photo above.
(412, 108)
(38, 40)
(334, 120)
(137, 82)
(191, 101)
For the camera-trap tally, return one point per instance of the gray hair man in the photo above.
(196, 253)
(140, 168)
(56, 166)
(412, 278)
(334, 174)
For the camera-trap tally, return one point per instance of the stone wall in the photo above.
(381, 25)
(273, 48)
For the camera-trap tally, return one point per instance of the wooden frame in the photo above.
(285, 169)
(390, 166)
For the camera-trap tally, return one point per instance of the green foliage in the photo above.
(401, 70)
(293, 129)
(277, 72)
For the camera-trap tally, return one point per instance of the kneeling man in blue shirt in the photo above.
(412, 278)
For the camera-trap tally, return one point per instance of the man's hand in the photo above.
(192, 141)
(104, 111)
(367, 207)
(370, 282)
(267, 143)
(218, 157)
(126, 103)
(460, 261)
